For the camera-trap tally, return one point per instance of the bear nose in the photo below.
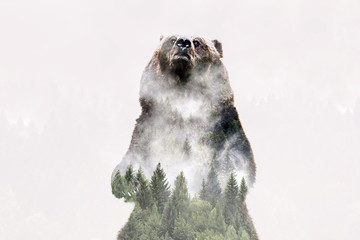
(183, 43)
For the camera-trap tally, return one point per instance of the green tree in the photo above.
(129, 175)
(151, 227)
(178, 204)
(160, 188)
(130, 180)
(243, 235)
(245, 223)
(213, 187)
(183, 218)
(243, 190)
(143, 193)
(200, 215)
(216, 219)
(182, 230)
(180, 195)
(121, 188)
(209, 235)
(133, 229)
(118, 185)
(203, 192)
(231, 201)
(231, 233)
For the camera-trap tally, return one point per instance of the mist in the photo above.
(69, 87)
(188, 123)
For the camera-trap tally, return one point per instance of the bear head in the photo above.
(182, 55)
(188, 66)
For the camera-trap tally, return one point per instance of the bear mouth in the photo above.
(181, 64)
(181, 56)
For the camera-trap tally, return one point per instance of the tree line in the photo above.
(162, 214)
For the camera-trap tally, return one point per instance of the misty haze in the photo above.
(207, 147)
(69, 88)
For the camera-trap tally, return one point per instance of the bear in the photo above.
(188, 120)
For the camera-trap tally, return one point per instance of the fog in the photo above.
(69, 86)
(180, 119)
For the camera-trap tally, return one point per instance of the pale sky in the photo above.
(69, 82)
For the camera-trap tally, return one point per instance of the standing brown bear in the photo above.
(188, 121)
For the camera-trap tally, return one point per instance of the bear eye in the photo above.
(196, 43)
(173, 41)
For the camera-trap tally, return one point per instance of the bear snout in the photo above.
(183, 44)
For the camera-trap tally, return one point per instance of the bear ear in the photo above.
(161, 37)
(218, 47)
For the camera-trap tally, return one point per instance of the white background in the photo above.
(69, 80)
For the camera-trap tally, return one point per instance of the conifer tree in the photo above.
(152, 225)
(203, 192)
(244, 235)
(180, 194)
(118, 185)
(213, 187)
(182, 229)
(178, 204)
(129, 175)
(131, 229)
(231, 201)
(243, 190)
(159, 188)
(231, 233)
(217, 222)
(143, 194)
(129, 178)
(121, 188)
(181, 218)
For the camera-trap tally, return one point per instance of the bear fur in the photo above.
(188, 120)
